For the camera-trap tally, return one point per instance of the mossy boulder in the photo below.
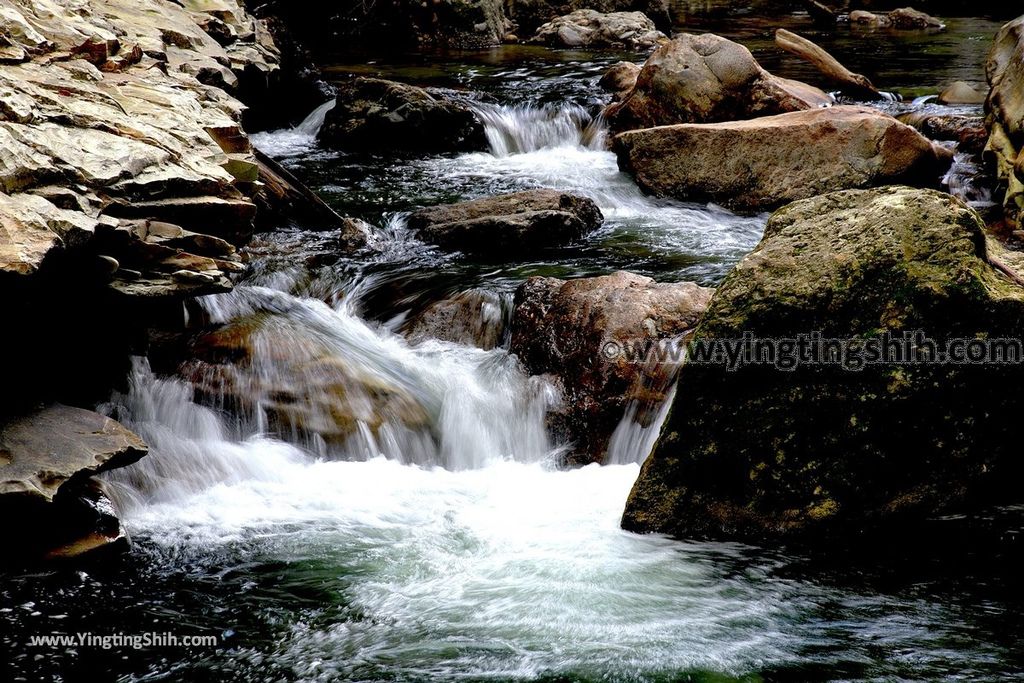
(760, 452)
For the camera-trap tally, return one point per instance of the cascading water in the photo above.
(528, 128)
(339, 503)
(289, 142)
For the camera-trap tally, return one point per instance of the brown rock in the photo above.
(510, 224)
(707, 78)
(767, 162)
(961, 93)
(620, 78)
(1005, 117)
(563, 328)
(473, 318)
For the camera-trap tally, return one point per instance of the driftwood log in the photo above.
(850, 83)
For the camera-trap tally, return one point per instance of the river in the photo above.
(452, 546)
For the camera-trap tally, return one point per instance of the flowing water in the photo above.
(433, 536)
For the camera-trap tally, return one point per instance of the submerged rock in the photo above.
(842, 447)
(508, 225)
(706, 78)
(273, 371)
(1005, 117)
(474, 317)
(375, 115)
(578, 332)
(46, 494)
(589, 28)
(766, 162)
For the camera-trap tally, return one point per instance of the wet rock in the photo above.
(968, 132)
(564, 328)
(906, 18)
(52, 505)
(766, 162)
(1005, 117)
(620, 78)
(707, 78)
(508, 225)
(827, 449)
(530, 15)
(374, 115)
(474, 317)
(266, 367)
(910, 18)
(588, 28)
(961, 93)
(284, 199)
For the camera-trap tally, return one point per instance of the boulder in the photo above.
(908, 18)
(619, 79)
(508, 225)
(122, 111)
(475, 317)
(968, 132)
(706, 78)
(808, 444)
(586, 28)
(766, 162)
(905, 19)
(374, 115)
(52, 506)
(529, 15)
(271, 370)
(577, 331)
(960, 92)
(1005, 117)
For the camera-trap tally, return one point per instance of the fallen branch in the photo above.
(850, 83)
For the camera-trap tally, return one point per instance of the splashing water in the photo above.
(528, 128)
(291, 142)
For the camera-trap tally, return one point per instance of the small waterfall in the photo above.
(289, 142)
(311, 124)
(527, 128)
(302, 378)
(635, 437)
(637, 433)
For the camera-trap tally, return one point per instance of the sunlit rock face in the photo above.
(763, 163)
(123, 110)
(706, 78)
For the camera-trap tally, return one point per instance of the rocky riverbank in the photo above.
(127, 183)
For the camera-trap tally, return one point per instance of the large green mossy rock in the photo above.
(761, 452)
